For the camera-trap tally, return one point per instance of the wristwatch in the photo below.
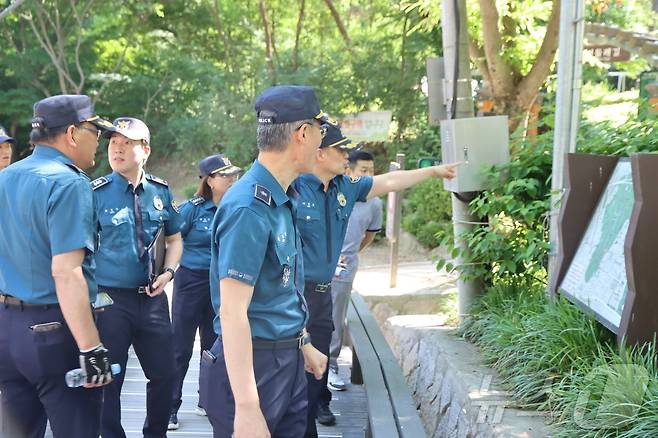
(171, 271)
(305, 339)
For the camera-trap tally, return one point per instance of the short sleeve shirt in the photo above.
(118, 262)
(196, 231)
(366, 217)
(255, 241)
(322, 219)
(47, 209)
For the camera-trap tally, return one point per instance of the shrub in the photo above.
(426, 213)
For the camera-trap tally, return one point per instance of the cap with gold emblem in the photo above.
(4, 138)
(132, 128)
(217, 164)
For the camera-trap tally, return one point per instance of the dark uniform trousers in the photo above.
(281, 387)
(32, 369)
(320, 326)
(142, 321)
(190, 309)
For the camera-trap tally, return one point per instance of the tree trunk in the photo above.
(298, 31)
(513, 94)
(268, 40)
(219, 27)
(339, 22)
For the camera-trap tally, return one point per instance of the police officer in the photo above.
(191, 308)
(47, 248)
(326, 199)
(252, 379)
(6, 144)
(133, 207)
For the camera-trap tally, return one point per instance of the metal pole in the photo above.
(567, 113)
(393, 218)
(455, 52)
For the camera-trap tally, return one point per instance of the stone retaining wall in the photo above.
(458, 396)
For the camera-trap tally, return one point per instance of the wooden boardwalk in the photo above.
(349, 406)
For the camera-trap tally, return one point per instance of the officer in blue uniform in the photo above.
(191, 308)
(133, 207)
(326, 200)
(6, 147)
(47, 283)
(252, 380)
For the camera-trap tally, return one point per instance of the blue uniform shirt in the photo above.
(322, 219)
(47, 209)
(196, 231)
(118, 262)
(255, 241)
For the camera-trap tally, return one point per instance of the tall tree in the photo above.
(514, 84)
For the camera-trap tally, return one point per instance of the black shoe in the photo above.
(173, 421)
(325, 416)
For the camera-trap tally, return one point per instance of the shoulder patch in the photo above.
(99, 182)
(197, 200)
(157, 180)
(263, 194)
(355, 179)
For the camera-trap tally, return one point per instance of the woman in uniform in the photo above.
(191, 306)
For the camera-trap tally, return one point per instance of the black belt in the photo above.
(262, 344)
(317, 287)
(9, 300)
(139, 290)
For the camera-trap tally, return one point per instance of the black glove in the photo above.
(95, 364)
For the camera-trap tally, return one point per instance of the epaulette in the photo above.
(197, 200)
(157, 180)
(263, 194)
(100, 182)
(77, 169)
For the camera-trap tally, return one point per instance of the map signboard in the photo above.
(596, 278)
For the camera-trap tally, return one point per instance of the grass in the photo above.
(557, 359)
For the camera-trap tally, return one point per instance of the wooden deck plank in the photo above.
(350, 406)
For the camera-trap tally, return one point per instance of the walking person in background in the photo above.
(191, 308)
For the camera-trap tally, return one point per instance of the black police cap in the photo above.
(288, 103)
(67, 109)
(335, 138)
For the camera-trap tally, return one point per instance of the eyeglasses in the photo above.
(323, 128)
(97, 132)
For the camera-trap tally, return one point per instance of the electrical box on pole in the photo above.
(479, 142)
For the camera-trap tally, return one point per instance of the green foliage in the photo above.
(426, 213)
(522, 27)
(555, 358)
(189, 191)
(514, 243)
(191, 70)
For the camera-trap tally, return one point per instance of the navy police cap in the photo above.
(67, 109)
(4, 137)
(335, 138)
(217, 164)
(288, 103)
